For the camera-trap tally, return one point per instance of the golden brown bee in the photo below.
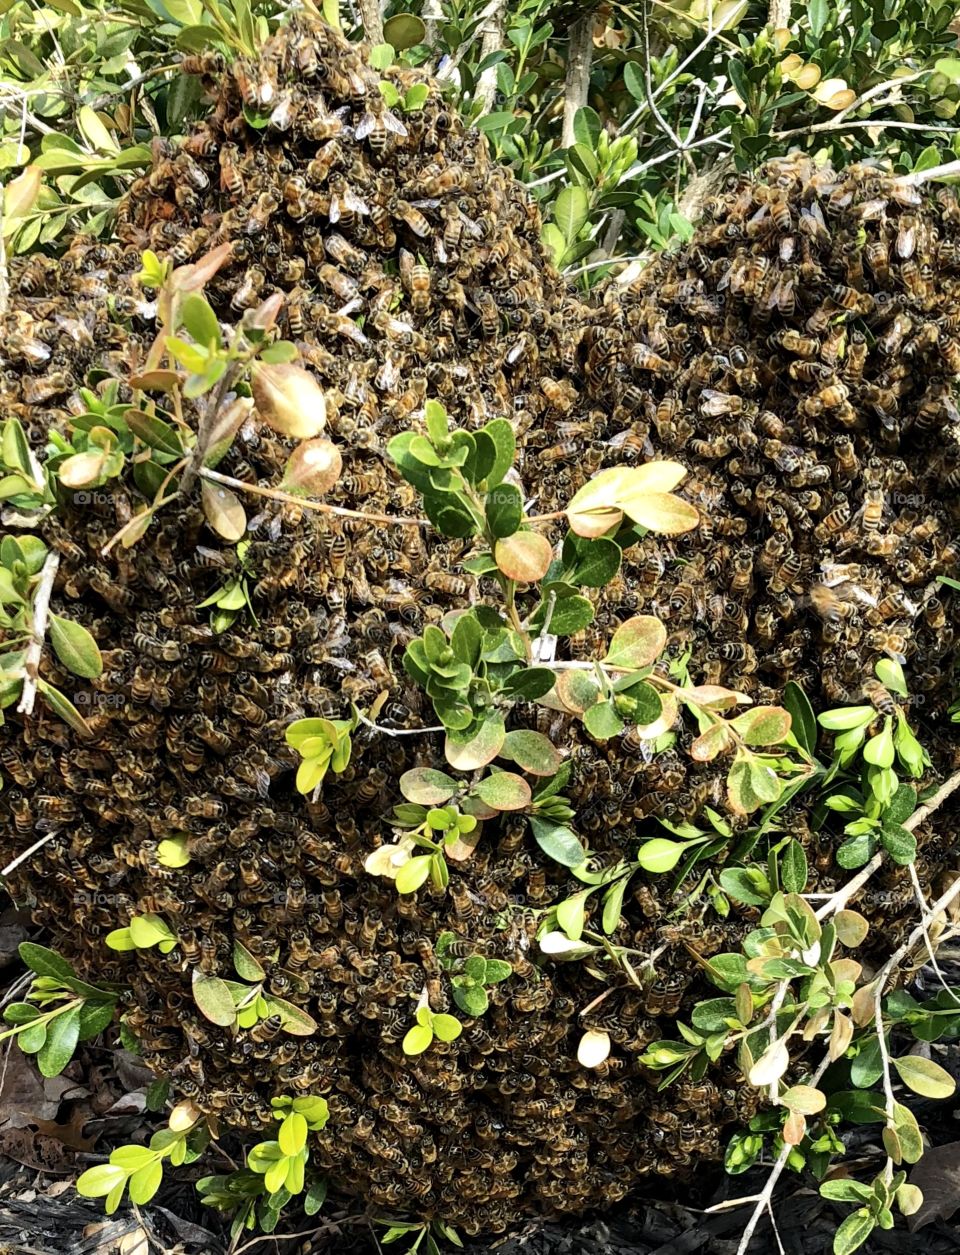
(879, 697)
(378, 124)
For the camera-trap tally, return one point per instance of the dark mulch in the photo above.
(35, 1222)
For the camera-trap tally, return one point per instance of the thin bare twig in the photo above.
(304, 1233)
(22, 858)
(398, 731)
(763, 1199)
(38, 632)
(918, 177)
(4, 273)
(275, 494)
(651, 99)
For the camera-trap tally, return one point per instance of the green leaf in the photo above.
(98, 1181)
(529, 684)
(427, 787)
(94, 1018)
(818, 11)
(532, 752)
(867, 1067)
(145, 1182)
(295, 1021)
(315, 1197)
(63, 708)
(500, 435)
(504, 791)
(120, 939)
(637, 643)
(292, 1135)
(858, 1106)
(793, 868)
(63, 1032)
(902, 806)
(149, 929)
(245, 964)
(746, 884)
(413, 873)
(404, 30)
(557, 841)
(899, 843)
(613, 905)
(602, 721)
(94, 131)
(570, 614)
(417, 1040)
(587, 126)
(846, 1190)
(750, 784)
(846, 717)
(200, 320)
(660, 855)
(762, 725)
(504, 510)
(75, 647)
(570, 211)
(472, 999)
(888, 671)
(856, 851)
(214, 999)
(924, 1076)
(45, 962)
(595, 562)
(466, 640)
(496, 970)
(447, 1027)
(15, 448)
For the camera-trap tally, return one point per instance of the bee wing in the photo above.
(355, 202)
(393, 123)
(442, 256)
(472, 228)
(334, 209)
(352, 332)
(432, 202)
(365, 126)
(399, 327)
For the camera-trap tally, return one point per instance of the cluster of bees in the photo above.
(798, 356)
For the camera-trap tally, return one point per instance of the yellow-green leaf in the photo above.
(662, 512)
(804, 1099)
(924, 1076)
(19, 196)
(173, 852)
(94, 131)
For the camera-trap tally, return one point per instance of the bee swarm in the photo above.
(798, 356)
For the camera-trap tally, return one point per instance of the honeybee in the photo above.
(379, 123)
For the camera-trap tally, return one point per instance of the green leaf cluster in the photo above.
(323, 745)
(58, 1012)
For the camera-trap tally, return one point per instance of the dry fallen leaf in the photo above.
(938, 1176)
